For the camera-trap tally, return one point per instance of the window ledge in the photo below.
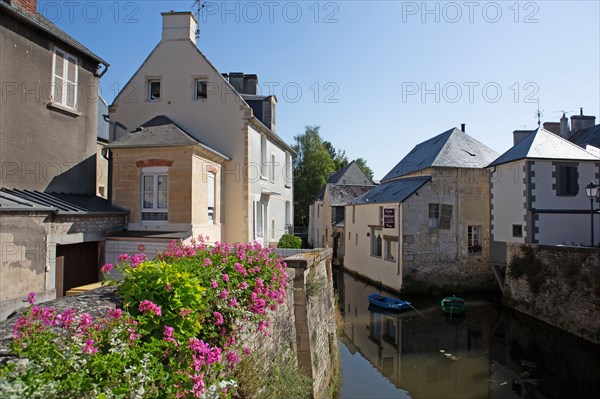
(65, 110)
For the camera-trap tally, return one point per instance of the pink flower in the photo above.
(232, 358)
(224, 294)
(207, 262)
(214, 284)
(85, 320)
(123, 258)
(184, 312)
(168, 334)
(246, 350)
(169, 287)
(107, 268)
(115, 313)
(233, 302)
(244, 285)
(30, 298)
(225, 277)
(136, 259)
(89, 348)
(147, 306)
(218, 318)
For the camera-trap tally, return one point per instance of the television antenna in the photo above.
(562, 111)
(198, 6)
(539, 114)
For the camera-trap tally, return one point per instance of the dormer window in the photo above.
(154, 91)
(200, 89)
(64, 79)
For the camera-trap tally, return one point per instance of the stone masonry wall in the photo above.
(568, 293)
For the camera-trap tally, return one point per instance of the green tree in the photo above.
(312, 166)
(362, 164)
(340, 160)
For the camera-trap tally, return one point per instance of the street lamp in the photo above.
(592, 192)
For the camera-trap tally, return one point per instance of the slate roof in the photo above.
(253, 97)
(453, 149)
(395, 191)
(583, 137)
(341, 195)
(335, 178)
(60, 203)
(160, 131)
(40, 22)
(544, 144)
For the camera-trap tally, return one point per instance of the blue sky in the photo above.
(377, 76)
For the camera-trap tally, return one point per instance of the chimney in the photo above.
(582, 121)
(565, 132)
(463, 127)
(236, 79)
(27, 5)
(179, 26)
(250, 84)
(520, 135)
(553, 127)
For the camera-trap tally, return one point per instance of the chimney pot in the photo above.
(179, 25)
(463, 127)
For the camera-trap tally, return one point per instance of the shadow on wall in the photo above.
(74, 179)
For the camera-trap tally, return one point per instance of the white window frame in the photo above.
(196, 82)
(211, 190)
(263, 156)
(155, 172)
(67, 58)
(374, 253)
(272, 167)
(390, 253)
(474, 239)
(434, 221)
(289, 174)
(149, 82)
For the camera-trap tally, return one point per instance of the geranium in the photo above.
(150, 307)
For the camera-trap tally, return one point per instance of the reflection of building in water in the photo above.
(406, 347)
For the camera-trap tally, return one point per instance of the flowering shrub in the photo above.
(176, 338)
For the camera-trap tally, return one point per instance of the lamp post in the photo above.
(592, 192)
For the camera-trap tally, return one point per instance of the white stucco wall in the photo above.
(508, 201)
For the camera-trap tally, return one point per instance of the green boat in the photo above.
(453, 305)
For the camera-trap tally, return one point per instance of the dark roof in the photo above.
(453, 149)
(40, 22)
(583, 137)
(335, 178)
(392, 191)
(160, 131)
(543, 144)
(60, 203)
(253, 97)
(103, 125)
(161, 235)
(341, 195)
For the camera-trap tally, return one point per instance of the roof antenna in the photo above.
(539, 114)
(198, 6)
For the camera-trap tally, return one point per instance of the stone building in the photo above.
(427, 223)
(327, 212)
(52, 225)
(225, 128)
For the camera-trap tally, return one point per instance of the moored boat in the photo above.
(388, 303)
(453, 305)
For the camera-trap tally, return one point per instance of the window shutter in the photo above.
(445, 217)
(59, 73)
(573, 189)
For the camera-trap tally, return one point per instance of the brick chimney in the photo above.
(565, 132)
(27, 5)
(178, 26)
(582, 121)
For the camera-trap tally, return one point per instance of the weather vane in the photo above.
(198, 6)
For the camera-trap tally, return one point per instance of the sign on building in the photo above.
(389, 218)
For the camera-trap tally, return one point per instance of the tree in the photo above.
(340, 160)
(362, 164)
(312, 166)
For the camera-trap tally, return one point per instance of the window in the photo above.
(381, 216)
(200, 89)
(289, 174)
(353, 214)
(356, 239)
(318, 210)
(517, 230)
(64, 79)
(155, 188)
(566, 180)
(263, 155)
(211, 191)
(434, 215)
(259, 219)
(474, 239)
(272, 168)
(376, 242)
(391, 248)
(288, 213)
(349, 236)
(153, 89)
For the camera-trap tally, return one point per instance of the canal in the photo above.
(491, 352)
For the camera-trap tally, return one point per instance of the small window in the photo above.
(64, 79)
(272, 168)
(474, 239)
(155, 189)
(211, 190)
(356, 239)
(391, 248)
(566, 180)
(349, 236)
(154, 90)
(517, 230)
(289, 174)
(376, 242)
(263, 155)
(259, 219)
(200, 89)
(318, 210)
(353, 214)
(434, 215)
(288, 213)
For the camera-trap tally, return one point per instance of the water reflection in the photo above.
(488, 353)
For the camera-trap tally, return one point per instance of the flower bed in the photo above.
(176, 336)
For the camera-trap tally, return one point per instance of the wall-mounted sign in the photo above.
(389, 218)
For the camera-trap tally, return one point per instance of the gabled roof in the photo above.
(336, 177)
(543, 144)
(61, 203)
(452, 149)
(160, 131)
(341, 195)
(584, 137)
(394, 191)
(40, 22)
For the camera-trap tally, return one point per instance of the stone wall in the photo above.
(563, 290)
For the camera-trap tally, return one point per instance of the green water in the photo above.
(491, 352)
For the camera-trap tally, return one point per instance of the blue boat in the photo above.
(387, 303)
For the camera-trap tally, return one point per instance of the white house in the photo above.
(538, 193)
(225, 120)
(427, 223)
